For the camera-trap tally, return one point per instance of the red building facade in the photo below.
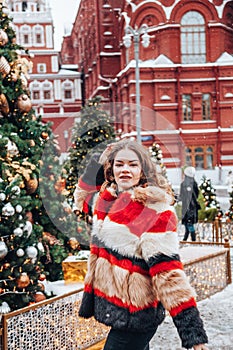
(186, 73)
(55, 88)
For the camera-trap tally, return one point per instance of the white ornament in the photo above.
(40, 247)
(2, 196)
(8, 210)
(18, 232)
(20, 252)
(18, 208)
(3, 249)
(12, 148)
(15, 190)
(31, 252)
(28, 227)
(4, 308)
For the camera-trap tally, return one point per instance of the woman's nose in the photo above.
(125, 167)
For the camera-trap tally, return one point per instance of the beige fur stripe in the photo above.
(79, 197)
(91, 269)
(133, 289)
(170, 292)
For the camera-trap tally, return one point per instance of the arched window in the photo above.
(193, 38)
(206, 107)
(35, 88)
(199, 157)
(25, 35)
(38, 35)
(47, 88)
(186, 107)
(67, 90)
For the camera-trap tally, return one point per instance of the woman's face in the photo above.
(126, 169)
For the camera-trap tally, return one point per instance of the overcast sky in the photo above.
(63, 13)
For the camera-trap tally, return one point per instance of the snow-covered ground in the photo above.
(217, 315)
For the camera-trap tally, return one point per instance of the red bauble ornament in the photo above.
(39, 296)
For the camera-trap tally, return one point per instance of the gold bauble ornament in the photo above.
(23, 281)
(44, 135)
(3, 38)
(50, 239)
(73, 243)
(4, 106)
(24, 103)
(31, 186)
(60, 185)
(32, 143)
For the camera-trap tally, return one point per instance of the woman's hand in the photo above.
(105, 154)
(200, 347)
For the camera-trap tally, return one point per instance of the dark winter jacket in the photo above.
(134, 269)
(188, 196)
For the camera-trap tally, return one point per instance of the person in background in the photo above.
(134, 269)
(188, 197)
(229, 182)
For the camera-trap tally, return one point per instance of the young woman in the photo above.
(135, 272)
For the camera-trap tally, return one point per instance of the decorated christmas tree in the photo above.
(157, 156)
(27, 229)
(90, 136)
(210, 207)
(229, 212)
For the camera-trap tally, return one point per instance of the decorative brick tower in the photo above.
(55, 89)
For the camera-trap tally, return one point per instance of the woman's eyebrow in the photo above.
(129, 160)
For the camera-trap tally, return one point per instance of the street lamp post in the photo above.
(136, 33)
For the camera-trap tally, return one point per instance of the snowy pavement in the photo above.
(217, 316)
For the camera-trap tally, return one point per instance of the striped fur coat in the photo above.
(135, 272)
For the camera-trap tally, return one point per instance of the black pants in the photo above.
(189, 228)
(124, 340)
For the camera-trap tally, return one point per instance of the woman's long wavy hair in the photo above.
(149, 174)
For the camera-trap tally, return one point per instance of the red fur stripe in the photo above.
(86, 203)
(140, 219)
(89, 188)
(176, 310)
(94, 249)
(118, 302)
(103, 204)
(88, 288)
(106, 195)
(166, 266)
(125, 264)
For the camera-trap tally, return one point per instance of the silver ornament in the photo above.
(18, 232)
(18, 208)
(15, 190)
(31, 252)
(3, 249)
(4, 308)
(8, 210)
(40, 247)
(28, 227)
(2, 196)
(20, 252)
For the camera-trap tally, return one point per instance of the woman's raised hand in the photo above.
(105, 154)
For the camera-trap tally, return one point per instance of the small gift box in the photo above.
(74, 267)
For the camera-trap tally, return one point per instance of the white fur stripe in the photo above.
(118, 237)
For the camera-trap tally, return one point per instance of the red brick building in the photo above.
(55, 88)
(186, 73)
